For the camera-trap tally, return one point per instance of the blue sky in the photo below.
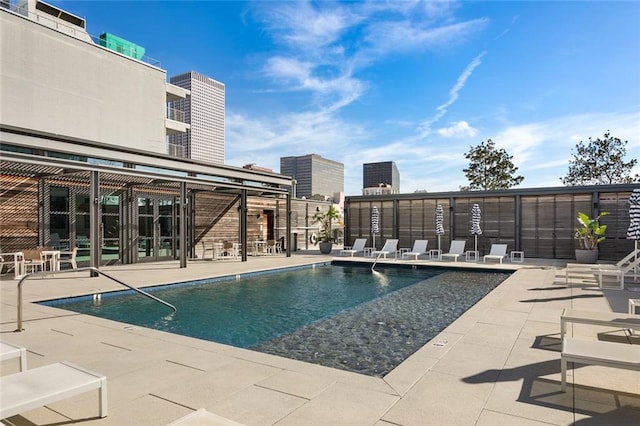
(413, 82)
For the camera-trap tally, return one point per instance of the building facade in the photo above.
(314, 175)
(204, 111)
(381, 175)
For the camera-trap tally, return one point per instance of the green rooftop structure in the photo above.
(121, 45)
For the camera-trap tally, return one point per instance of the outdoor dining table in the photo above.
(51, 258)
(259, 247)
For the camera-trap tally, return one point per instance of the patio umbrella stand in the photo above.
(439, 223)
(475, 223)
(375, 224)
(633, 233)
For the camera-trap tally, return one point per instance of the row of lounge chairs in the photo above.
(498, 251)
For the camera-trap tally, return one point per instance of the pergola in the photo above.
(30, 154)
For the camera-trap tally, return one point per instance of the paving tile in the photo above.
(437, 400)
(406, 375)
(493, 335)
(342, 404)
(257, 406)
(470, 361)
(492, 418)
(532, 398)
(295, 383)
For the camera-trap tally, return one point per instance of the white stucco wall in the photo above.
(55, 83)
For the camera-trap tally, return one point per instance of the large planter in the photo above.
(325, 247)
(586, 256)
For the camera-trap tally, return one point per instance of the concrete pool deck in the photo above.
(499, 363)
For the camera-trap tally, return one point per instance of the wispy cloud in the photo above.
(425, 127)
(327, 45)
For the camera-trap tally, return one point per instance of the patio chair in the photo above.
(358, 246)
(33, 260)
(56, 244)
(26, 390)
(69, 257)
(419, 247)
(455, 250)
(390, 246)
(498, 252)
(273, 247)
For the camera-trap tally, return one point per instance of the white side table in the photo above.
(367, 251)
(472, 255)
(634, 304)
(435, 254)
(517, 256)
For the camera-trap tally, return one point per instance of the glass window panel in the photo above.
(82, 203)
(59, 199)
(59, 224)
(145, 206)
(111, 225)
(111, 204)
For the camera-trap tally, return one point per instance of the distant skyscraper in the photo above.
(204, 111)
(314, 175)
(386, 173)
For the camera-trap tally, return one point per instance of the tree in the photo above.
(600, 162)
(490, 168)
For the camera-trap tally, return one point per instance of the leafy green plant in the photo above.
(325, 219)
(590, 233)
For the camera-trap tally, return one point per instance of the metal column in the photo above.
(288, 225)
(243, 224)
(95, 222)
(184, 213)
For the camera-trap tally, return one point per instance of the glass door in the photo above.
(155, 228)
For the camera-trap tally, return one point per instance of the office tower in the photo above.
(204, 111)
(375, 175)
(314, 175)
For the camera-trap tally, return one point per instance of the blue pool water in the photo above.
(344, 317)
(256, 309)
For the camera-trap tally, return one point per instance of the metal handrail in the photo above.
(89, 268)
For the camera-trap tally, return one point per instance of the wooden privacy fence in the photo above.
(539, 221)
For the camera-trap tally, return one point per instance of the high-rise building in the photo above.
(204, 111)
(314, 175)
(383, 174)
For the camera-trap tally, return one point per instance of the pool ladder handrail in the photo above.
(88, 268)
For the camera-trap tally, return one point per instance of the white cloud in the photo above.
(453, 95)
(459, 129)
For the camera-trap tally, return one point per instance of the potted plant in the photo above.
(589, 234)
(324, 220)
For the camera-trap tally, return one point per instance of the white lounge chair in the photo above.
(390, 246)
(40, 386)
(358, 246)
(419, 247)
(10, 351)
(455, 250)
(498, 252)
(620, 272)
(620, 268)
(596, 352)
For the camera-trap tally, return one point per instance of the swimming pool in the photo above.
(286, 313)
